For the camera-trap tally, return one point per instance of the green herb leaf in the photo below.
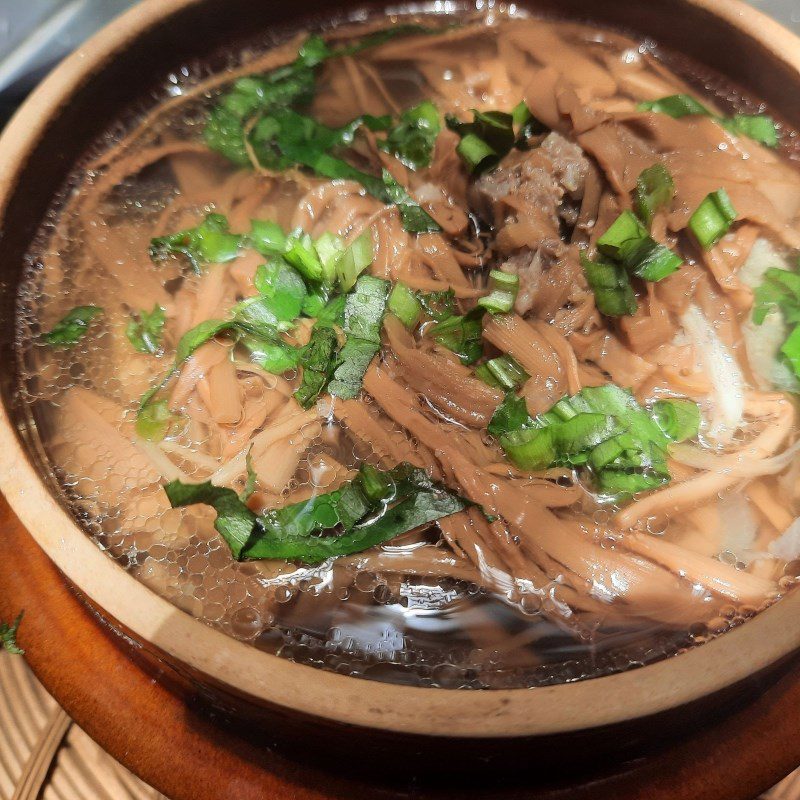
(72, 327)
(281, 289)
(790, 350)
(438, 305)
(413, 138)
(235, 522)
(275, 356)
(654, 191)
(491, 135)
(208, 243)
(713, 218)
(318, 359)
(414, 218)
(461, 334)
(363, 316)
(510, 415)
(144, 330)
(8, 636)
(373, 508)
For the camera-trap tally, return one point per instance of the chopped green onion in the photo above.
(476, 153)
(679, 419)
(780, 289)
(676, 106)
(403, 303)
(613, 293)
(267, 237)
(154, 420)
(209, 243)
(647, 259)
(627, 243)
(654, 191)
(483, 373)
(531, 449)
(302, 255)
(602, 428)
(461, 334)
(559, 443)
(492, 134)
(625, 228)
(504, 372)
(72, 327)
(355, 259)
(759, 127)
(713, 218)
(144, 330)
(330, 249)
(503, 290)
(413, 138)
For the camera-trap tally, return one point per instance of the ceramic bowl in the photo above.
(118, 70)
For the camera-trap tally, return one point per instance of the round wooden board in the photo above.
(154, 724)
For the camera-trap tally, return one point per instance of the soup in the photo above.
(457, 370)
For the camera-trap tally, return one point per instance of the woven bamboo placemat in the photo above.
(44, 756)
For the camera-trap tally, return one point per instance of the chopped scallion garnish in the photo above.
(403, 303)
(759, 127)
(72, 327)
(654, 191)
(461, 334)
(600, 428)
(503, 290)
(503, 372)
(712, 219)
(613, 293)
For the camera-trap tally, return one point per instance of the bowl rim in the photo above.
(493, 713)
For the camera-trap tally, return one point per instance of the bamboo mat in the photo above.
(44, 756)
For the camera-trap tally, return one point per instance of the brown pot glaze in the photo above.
(119, 70)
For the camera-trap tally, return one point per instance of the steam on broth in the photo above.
(460, 355)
